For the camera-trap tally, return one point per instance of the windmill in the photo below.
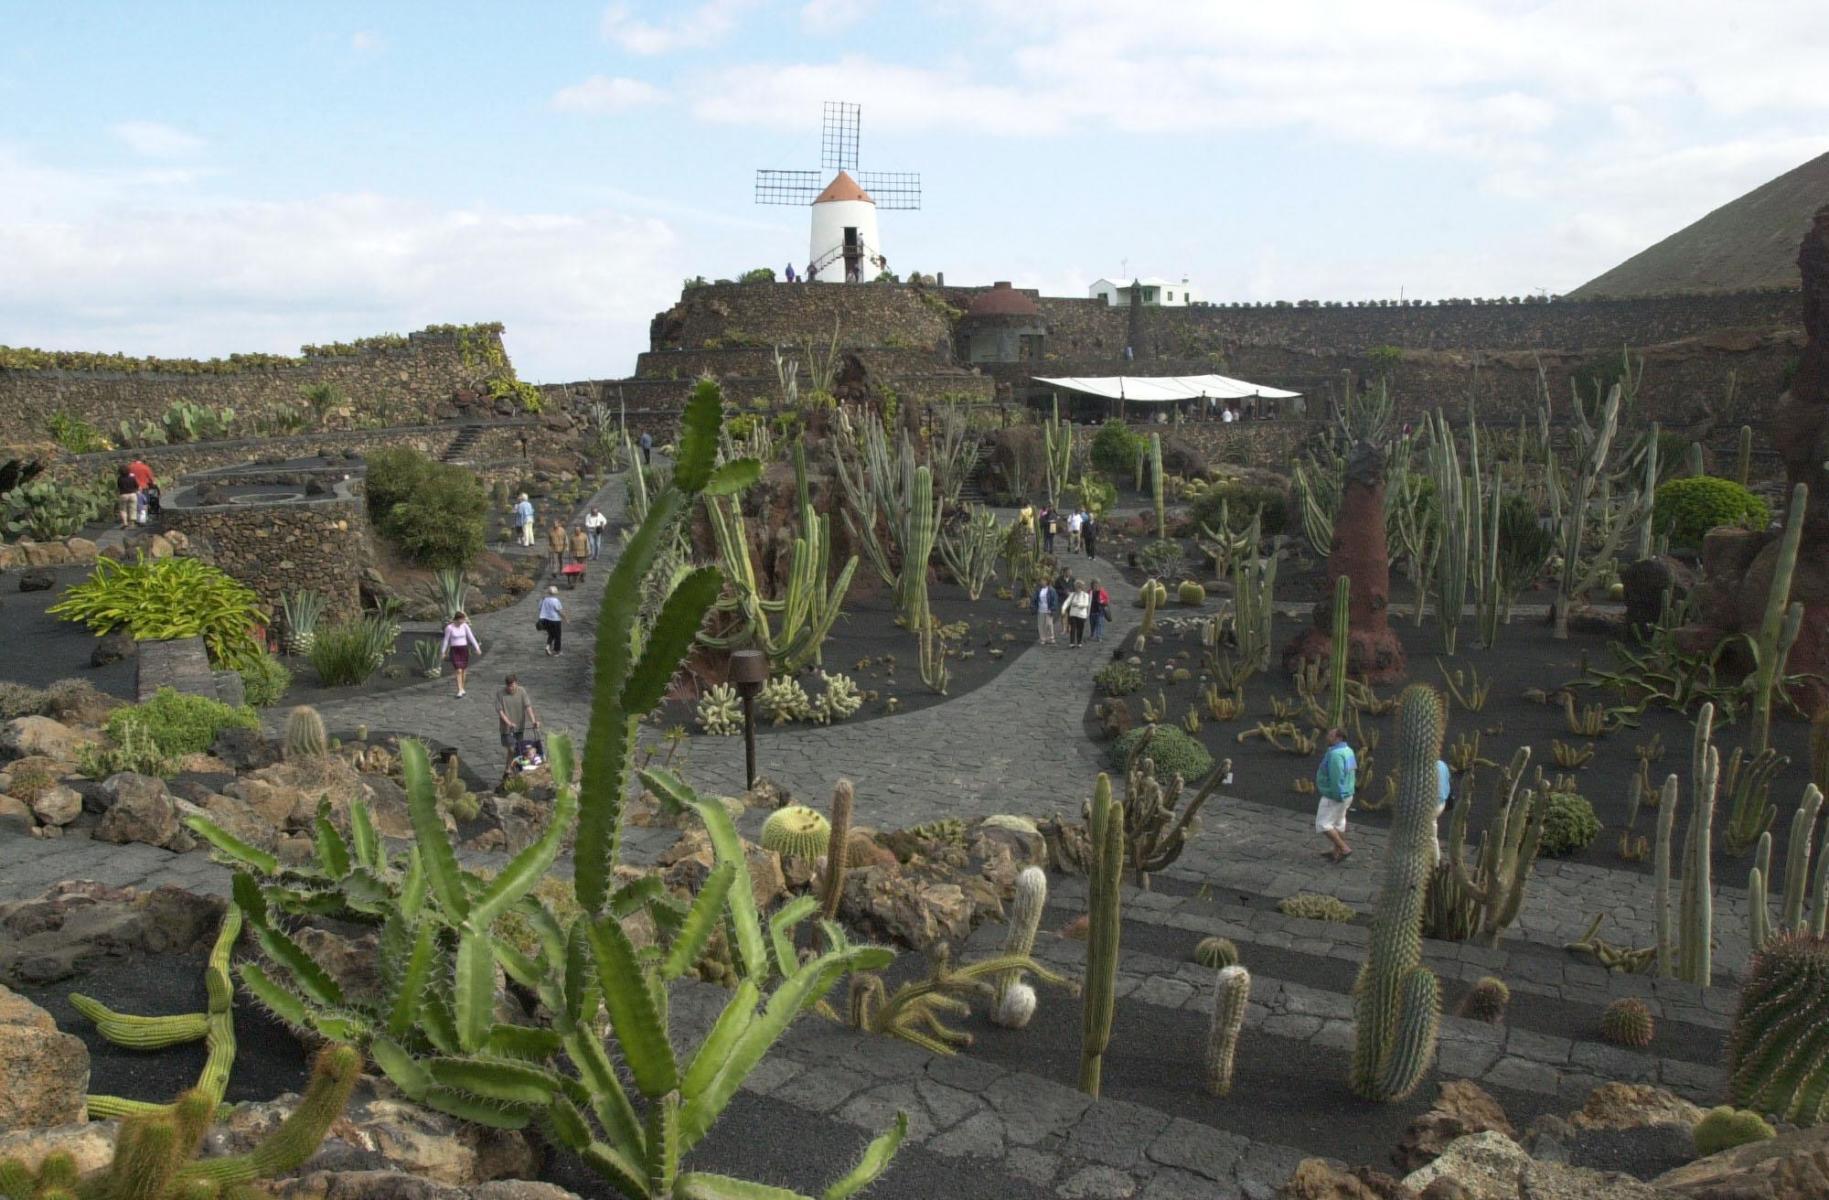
(845, 247)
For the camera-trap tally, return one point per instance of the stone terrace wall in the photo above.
(282, 546)
(410, 383)
(735, 315)
(760, 363)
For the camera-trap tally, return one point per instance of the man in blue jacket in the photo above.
(1335, 781)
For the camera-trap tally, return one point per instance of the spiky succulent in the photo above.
(1487, 1001)
(783, 700)
(1775, 1059)
(1191, 593)
(1725, 1127)
(839, 700)
(1627, 1021)
(796, 831)
(305, 736)
(1315, 907)
(721, 711)
(1232, 992)
(1216, 953)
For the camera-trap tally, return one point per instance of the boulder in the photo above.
(1490, 1166)
(904, 908)
(57, 805)
(45, 554)
(1646, 582)
(688, 861)
(16, 815)
(244, 749)
(1463, 1107)
(44, 1074)
(82, 550)
(24, 736)
(1791, 1166)
(1319, 1179)
(142, 815)
(1634, 1106)
(50, 937)
(89, 1145)
(397, 1185)
(112, 648)
(37, 581)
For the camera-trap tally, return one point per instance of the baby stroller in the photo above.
(152, 495)
(529, 753)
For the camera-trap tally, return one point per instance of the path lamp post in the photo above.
(749, 671)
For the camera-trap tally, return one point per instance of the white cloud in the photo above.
(694, 28)
(833, 16)
(113, 261)
(366, 41)
(153, 139)
(603, 95)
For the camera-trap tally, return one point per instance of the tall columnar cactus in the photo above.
(1155, 486)
(1337, 653)
(1397, 1000)
(1685, 950)
(1779, 626)
(305, 737)
(1778, 1052)
(934, 672)
(1800, 888)
(1231, 995)
(1743, 457)
(1507, 851)
(832, 883)
(1106, 825)
(1572, 498)
(1646, 543)
(1154, 593)
(1012, 1009)
(1253, 607)
(920, 522)
(1057, 452)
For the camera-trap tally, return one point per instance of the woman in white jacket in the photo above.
(1079, 607)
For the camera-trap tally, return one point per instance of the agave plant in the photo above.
(447, 591)
(302, 611)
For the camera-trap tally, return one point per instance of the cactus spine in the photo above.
(1336, 705)
(1743, 457)
(1230, 996)
(1397, 1000)
(1778, 628)
(1025, 918)
(1155, 486)
(1106, 824)
(305, 736)
(1777, 1060)
(832, 885)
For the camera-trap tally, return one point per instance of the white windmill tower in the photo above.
(845, 246)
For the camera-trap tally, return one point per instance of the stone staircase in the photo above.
(461, 446)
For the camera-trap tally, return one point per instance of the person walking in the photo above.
(647, 447)
(1335, 780)
(1101, 610)
(1089, 535)
(581, 544)
(514, 713)
(1049, 524)
(552, 619)
(142, 475)
(1073, 530)
(1044, 605)
(523, 519)
(127, 493)
(555, 542)
(460, 641)
(594, 525)
(1063, 587)
(1444, 800)
(1079, 609)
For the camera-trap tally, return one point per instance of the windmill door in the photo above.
(854, 253)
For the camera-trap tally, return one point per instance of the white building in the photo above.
(1156, 292)
(845, 247)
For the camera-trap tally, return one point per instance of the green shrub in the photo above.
(757, 275)
(179, 723)
(135, 752)
(1569, 825)
(432, 512)
(1118, 678)
(1094, 495)
(1174, 753)
(76, 434)
(347, 653)
(1314, 906)
(169, 598)
(264, 680)
(1114, 450)
(1689, 507)
(1725, 1127)
(1161, 557)
(1241, 501)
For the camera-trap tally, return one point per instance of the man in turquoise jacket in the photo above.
(1335, 780)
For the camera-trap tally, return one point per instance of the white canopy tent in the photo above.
(1147, 389)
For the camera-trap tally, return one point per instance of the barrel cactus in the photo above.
(1487, 1001)
(796, 831)
(1725, 1127)
(1216, 953)
(1776, 1062)
(305, 736)
(1627, 1022)
(1397, 1000)
(1191, 593)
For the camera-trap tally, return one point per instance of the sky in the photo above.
(204, 178)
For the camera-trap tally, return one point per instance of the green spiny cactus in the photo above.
(1338, 653)
(1012, 1009)
(1216, 953)
(720, 711)
(1313, 906)
(783, 700)
(918, 1010)
(934, 671)
(1191, 594)
(797, 831)
(1253, 600)
(838, 842)
(1155, 487)
(1627, 1021)
(1105, 825)
(1057, 453)
(1153, 594)
(333, 1076)
(1486, 1001)
(1508, 848)
(1231, 995)
(1779, 626)
(305, 738)
(141, 1033)
(1743, 456)
(1397, 1000)
(1724, 1127)
(1695, 952)
(1776, 1062)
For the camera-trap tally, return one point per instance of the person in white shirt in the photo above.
(1079, 607)
(552, 618)
(594, 524)
(1046, 604)
(1073, 530)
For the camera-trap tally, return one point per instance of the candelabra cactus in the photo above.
(1775, 1061)
(1508, 848)
(1779, 625)
(1155, 484)
(1231, 994)
(1105, 826)
(1057, 453)
(1397, 1000)
(1253, 599)
(1337, 653)
(1627, 1022)
(305, 737)
(1011, 1009)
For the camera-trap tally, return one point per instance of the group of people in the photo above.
(1070, 608)
(585, 542)
(1079, 526)
(517, 722)
(136, 493)
(1336, 783)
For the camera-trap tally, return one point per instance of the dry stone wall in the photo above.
(281, 546)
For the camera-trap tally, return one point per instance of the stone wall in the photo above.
(281, 546)
(403, 384)
(734, 315)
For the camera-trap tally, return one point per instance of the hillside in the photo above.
(1750, 242)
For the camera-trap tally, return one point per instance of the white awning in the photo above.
(1148, 389)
